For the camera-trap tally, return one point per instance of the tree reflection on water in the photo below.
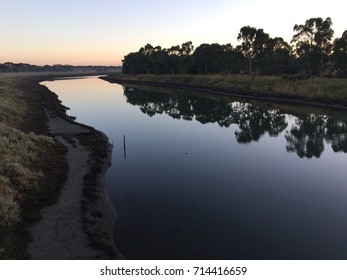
(306, 137)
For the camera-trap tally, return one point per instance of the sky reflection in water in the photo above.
(210, 177)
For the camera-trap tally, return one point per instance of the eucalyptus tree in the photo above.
(208, 58)
(312, 42)
(340, 52)
(231, 60)
(203, 58)
(253, 44)
(134, 63)
(173, 63)
(278, 59)
(186, 48)
(185, 59)
(179, 58)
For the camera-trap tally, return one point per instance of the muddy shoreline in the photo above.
(81, 224)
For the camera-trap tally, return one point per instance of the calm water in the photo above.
(208, 177)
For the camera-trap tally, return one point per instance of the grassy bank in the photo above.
(32, 164)
(318, 90)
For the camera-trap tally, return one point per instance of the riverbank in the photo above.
(319, 91)
(65, 212)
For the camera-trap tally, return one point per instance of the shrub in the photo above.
(9, 212)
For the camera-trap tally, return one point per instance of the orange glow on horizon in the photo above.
(64, 59)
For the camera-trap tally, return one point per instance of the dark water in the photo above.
(208, 177)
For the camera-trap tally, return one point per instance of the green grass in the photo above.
(323, 90)
(32, 165)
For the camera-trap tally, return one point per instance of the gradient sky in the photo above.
(101, 32)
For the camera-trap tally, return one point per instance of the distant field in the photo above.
(324, 90)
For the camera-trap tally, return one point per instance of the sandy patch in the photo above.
(61, 233)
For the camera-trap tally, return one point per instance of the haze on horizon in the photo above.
(101, 32)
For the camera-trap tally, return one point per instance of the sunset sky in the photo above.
(101, 32)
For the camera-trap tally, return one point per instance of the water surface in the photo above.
(209, 177)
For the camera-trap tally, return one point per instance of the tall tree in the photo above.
(313, 42)
(278, 59)
(340, 52)
(253, 43)
(135, 63)
(208, 58)
(184, 59)
(187, 48)
(232, 61)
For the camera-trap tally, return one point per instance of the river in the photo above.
(199, 176)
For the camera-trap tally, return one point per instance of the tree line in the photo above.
(311, 52)
(25, 67)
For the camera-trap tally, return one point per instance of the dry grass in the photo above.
(12, 107)
(15, 152)
(24, 181)
(318, 89)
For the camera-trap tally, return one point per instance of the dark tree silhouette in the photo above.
(340, 53)
(313, 43)
(313, 53)
(253, 44)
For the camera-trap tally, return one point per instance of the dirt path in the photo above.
(61, 233)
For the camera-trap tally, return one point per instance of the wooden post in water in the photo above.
(125, 150)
